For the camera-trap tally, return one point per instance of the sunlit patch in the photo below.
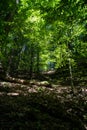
(12, 94)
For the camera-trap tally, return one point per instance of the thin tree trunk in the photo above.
(71, 74)
(38, 59)
(70, 67)
(31, 61)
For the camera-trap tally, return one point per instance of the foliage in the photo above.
(42, 35)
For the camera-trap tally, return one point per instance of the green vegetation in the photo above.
(43, 48)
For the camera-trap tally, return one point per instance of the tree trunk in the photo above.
(71, 75)
(38, 60)
(31, 61)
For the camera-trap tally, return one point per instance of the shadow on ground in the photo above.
(40, 110)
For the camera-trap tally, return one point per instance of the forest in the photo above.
(43, 65)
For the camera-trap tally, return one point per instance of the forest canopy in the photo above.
(42, 35)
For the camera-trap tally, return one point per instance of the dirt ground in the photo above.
(40, 106)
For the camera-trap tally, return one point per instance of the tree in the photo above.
(41, 35)
(65, 17)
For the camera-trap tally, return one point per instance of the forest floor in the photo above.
(40, 105)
